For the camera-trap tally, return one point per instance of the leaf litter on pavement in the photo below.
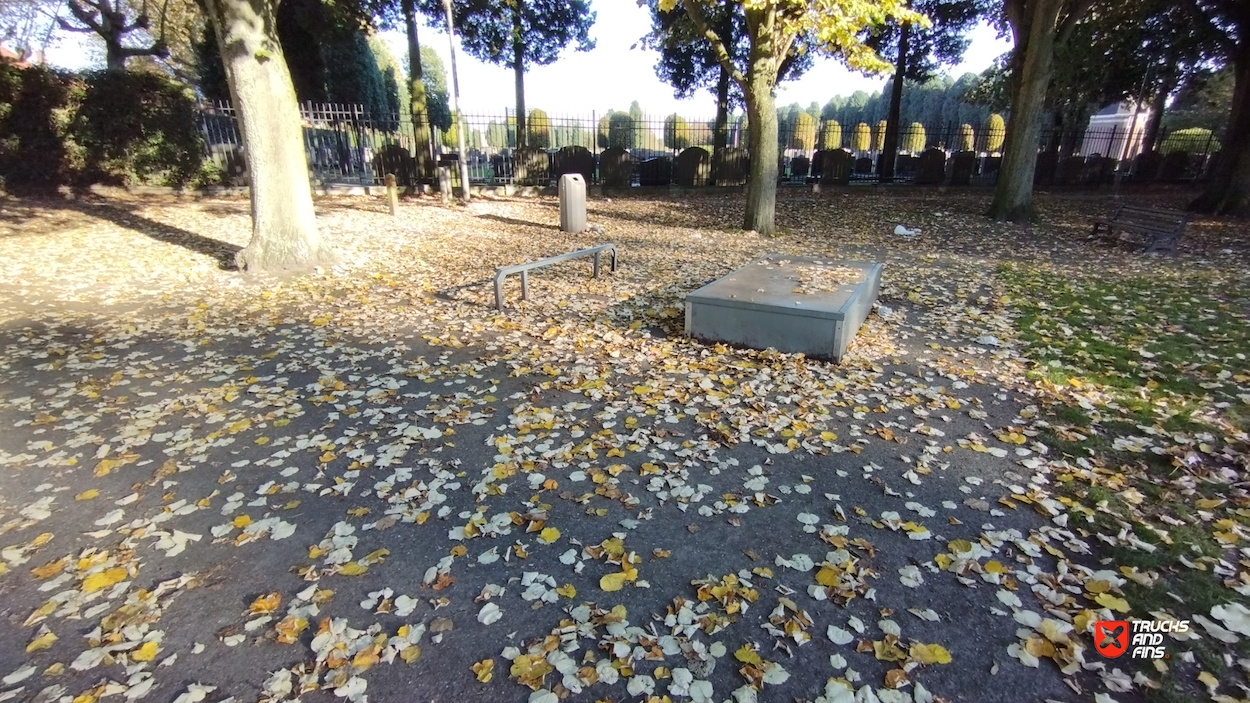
(1033, 433)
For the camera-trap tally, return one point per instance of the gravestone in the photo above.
(730, 166)
(1099, 170)
(574, 159)
(795, 304)
(931, 167)
(1070, 170)
(531, 167)
(501, 166)
(990, 166)
(395, 159)
(906, 166)
(1146, 166)
(963, 164)
(814, 173)
(655, 172)
(1047, 164)
(616, 168)
(799, 167)
(1173, 167)
(863, 166)
(694, 167)
(835, 167)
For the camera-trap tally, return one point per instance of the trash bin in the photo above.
(572, 189)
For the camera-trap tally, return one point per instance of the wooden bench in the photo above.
(1164, 227)
(524, 269)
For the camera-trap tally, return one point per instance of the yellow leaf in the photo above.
(747, 655)
(459, 550)
(241, 521)
(87, 495)
(613, 582)
(994, 567)
(261, 440)
(548, 535)
(828, 436)
(930, 653)
(958, 546)
(944, 561)
(353, 569)
(1107, 600)
(827, 576)
(146, 653)
(41, 642)
(887, 652)
(1209, 680)
(567, 590)
(410, 654)
(289, 628)
(358, 512)
(104, 579)
(365, 658)
(484, 670)
(375, 557)
(265, 604)
(52, 568)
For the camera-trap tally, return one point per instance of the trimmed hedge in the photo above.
(121, 128)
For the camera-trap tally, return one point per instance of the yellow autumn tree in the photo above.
(833, 28)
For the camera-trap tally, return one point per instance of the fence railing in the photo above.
(347, 144)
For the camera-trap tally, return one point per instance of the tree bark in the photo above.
(284, 226)
(422, 134)
(1228, 189)
(518, 67)
(762, 121)
(720, 135)
(1150, 133)
(1032, 63)
(889, 151)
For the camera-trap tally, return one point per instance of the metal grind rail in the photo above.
(524, 269)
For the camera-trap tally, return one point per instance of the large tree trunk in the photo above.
(765, 59)
(284, 226)
(1228, 190)
(1032, 63)
(889, 151)
(422, 134)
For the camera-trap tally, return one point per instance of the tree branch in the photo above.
(1068, 25)
(695, 11)
(83, 15)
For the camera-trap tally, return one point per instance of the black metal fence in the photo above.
(346, 144)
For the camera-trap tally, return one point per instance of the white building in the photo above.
(1108, 129)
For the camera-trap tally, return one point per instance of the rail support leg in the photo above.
(525, 285)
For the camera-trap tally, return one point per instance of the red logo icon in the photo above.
(1111, 637)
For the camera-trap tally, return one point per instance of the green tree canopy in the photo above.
(803, 132)
(861, 138)
(676, 132)
(539, 128)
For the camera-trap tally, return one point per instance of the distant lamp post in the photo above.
(455, 106)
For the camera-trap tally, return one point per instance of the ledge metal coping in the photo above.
(524, 269)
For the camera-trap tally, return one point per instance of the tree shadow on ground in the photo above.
(119, 214)
(515, 221)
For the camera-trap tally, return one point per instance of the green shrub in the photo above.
(59, 129)
(1195, 140)
(37, 147)
(139, 128)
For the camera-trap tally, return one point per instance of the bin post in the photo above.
(572, 190)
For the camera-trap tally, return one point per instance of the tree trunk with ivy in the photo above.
(423, 136)
(284, 226)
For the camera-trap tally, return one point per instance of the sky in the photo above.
(617, 72)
